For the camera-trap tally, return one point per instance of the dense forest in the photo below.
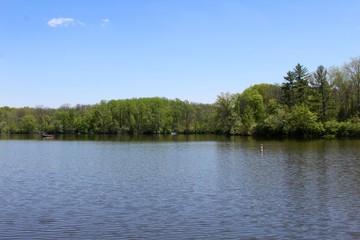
(323, 103)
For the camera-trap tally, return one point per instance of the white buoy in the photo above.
(261, 148)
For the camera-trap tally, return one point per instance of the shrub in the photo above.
(354, 130)
(302, 122)
(343, 129)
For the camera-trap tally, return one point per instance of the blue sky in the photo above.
(84, 51)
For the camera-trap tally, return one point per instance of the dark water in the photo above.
(178, 187)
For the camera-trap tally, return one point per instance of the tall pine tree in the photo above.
(321, 88)
(301, 84)
(288, 89)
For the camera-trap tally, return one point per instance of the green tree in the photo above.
(65, 119)
(5, 119)
(28, 124)
(268, 92)
(296, 88)
(342, 92)
(226, 117)
(82, 119)
(205, 120)
(188, 117)
(102, 118)
(250, 108)
(276, 123)
(115, 111)
(352, 69)
(301, 84)
(288, 89)
(321, 88)
(302, 122)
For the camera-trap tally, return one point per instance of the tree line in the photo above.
(323, 103)
(130, 116)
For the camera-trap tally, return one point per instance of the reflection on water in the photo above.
(175, 187)
(119, 137)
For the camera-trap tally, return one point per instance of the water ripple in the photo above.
(179, 190)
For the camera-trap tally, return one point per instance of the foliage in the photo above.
(268, 92)
(129, 116)
(325, 103)
(250, 109)
(226, 118)
(302, 122)
(288, 89)
(321, 90)
(275, 124)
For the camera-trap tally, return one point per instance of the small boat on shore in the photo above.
(46, 135)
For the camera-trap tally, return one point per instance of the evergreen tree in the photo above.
(301, 84)
(321, 88)
(288, 89)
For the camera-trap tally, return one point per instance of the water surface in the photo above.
(177, 187)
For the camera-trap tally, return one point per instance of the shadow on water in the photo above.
(122, 137)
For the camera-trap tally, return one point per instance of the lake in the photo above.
(178, 187)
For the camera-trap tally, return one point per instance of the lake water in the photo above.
(178, 187)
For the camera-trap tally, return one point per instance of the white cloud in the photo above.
(105, 22)
(55, 22)
(65, 22)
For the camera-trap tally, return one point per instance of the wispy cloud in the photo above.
(105, 22)
(65, 22)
